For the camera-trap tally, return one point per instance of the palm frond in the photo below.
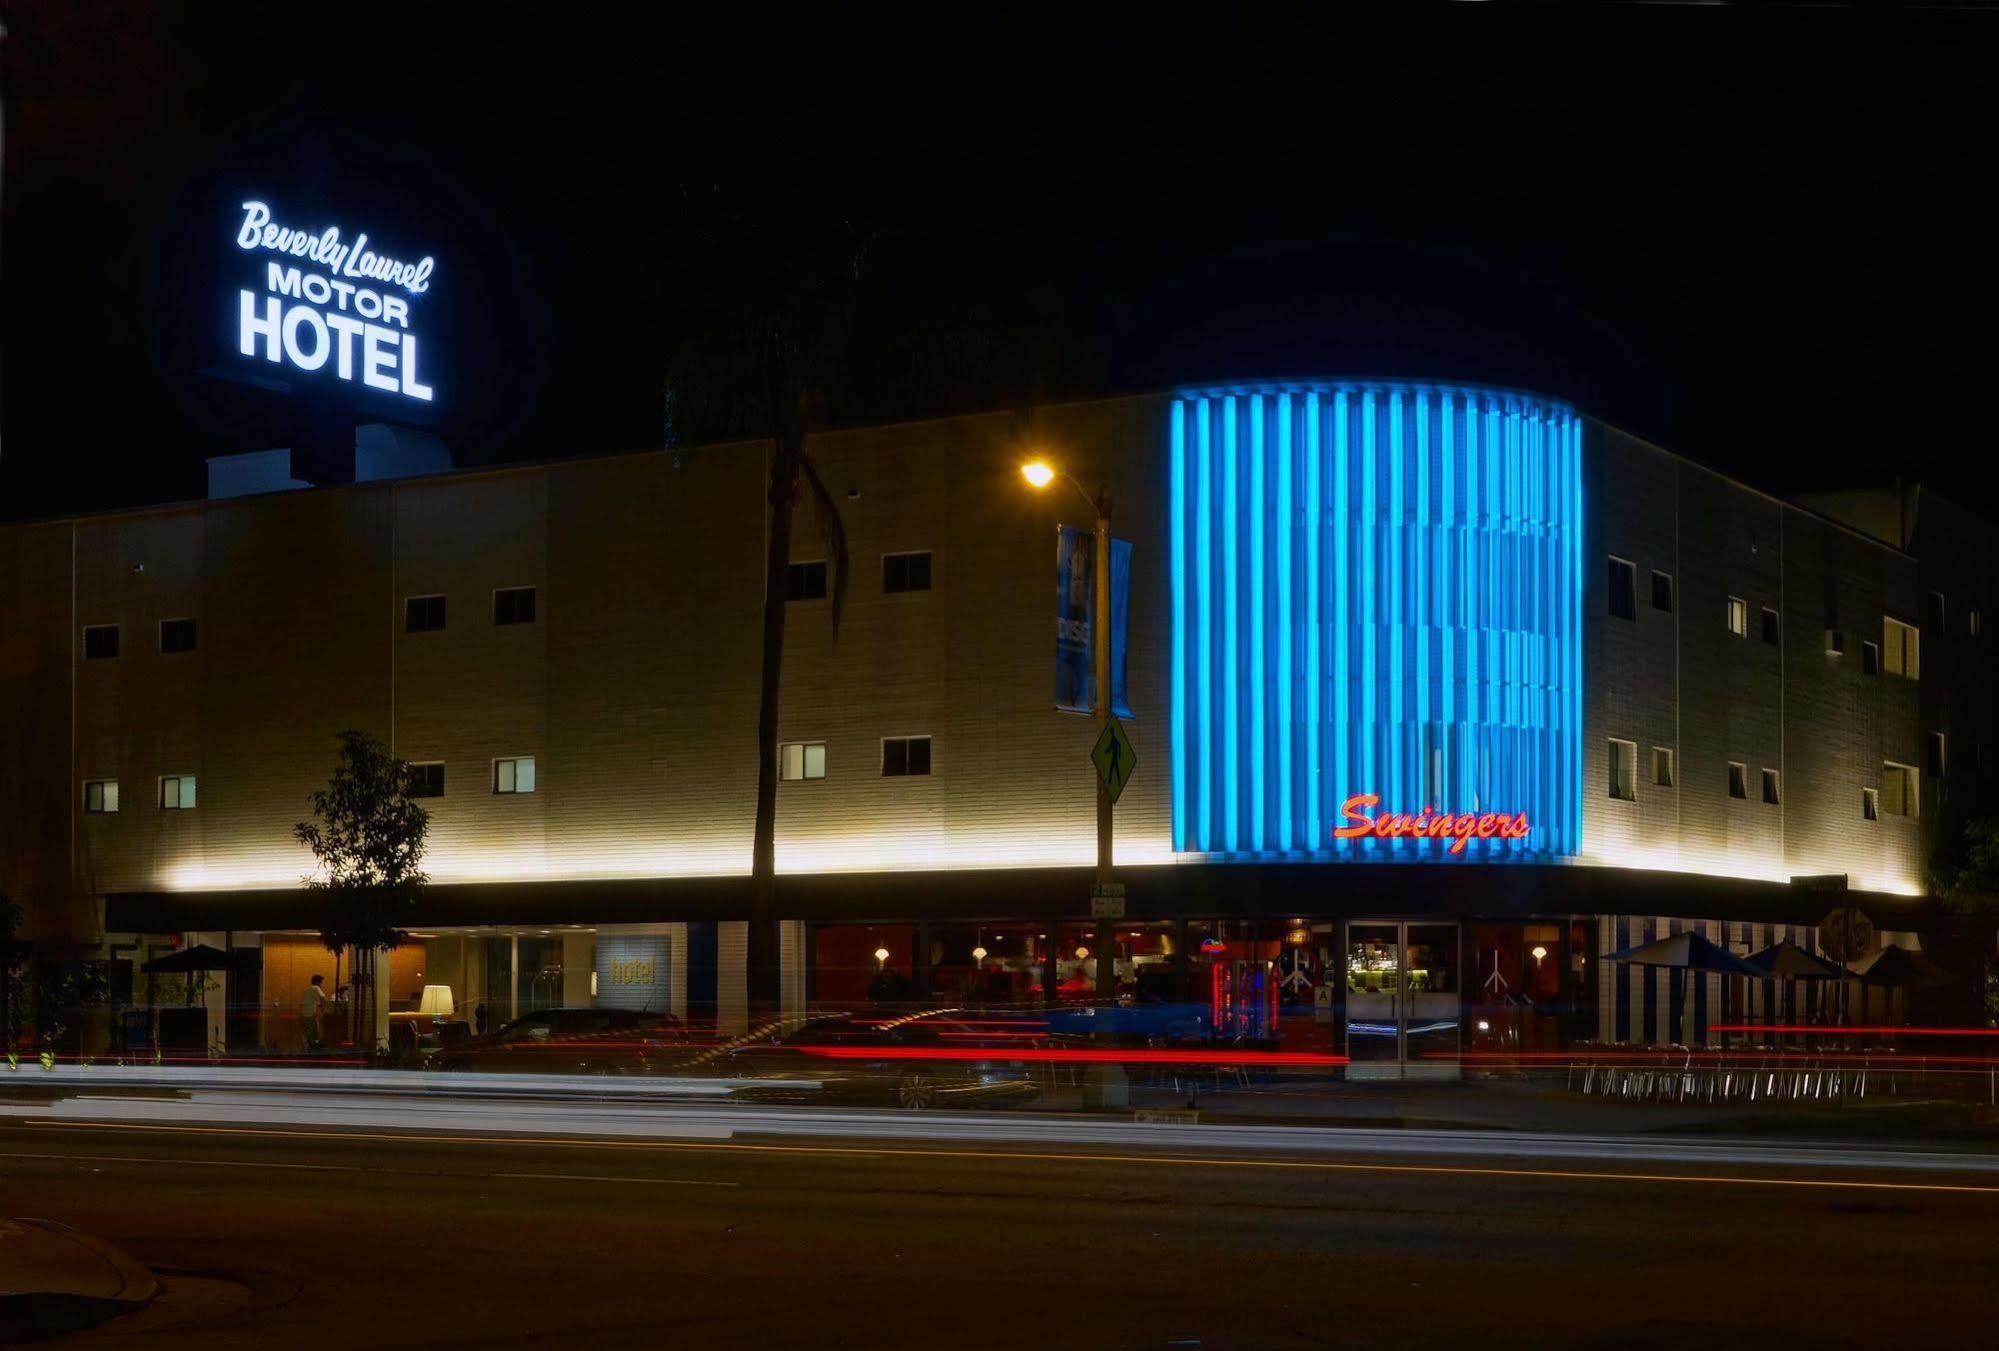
(833, 531)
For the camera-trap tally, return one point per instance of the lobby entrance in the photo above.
(1404, 999)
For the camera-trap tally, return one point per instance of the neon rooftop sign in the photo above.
(341, 315)
(1426, 825)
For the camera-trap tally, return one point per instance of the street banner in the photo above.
(1075, 600)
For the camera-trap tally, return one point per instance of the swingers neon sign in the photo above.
(1428, 825)
(335, 317)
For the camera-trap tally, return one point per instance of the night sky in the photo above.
(1760, 239)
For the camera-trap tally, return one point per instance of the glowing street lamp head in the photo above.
(881, 955)
(1039, 473)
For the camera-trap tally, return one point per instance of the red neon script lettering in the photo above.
(1428, 825)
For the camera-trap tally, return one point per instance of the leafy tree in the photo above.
(368, 841)
(769, 337)
(1965, 880)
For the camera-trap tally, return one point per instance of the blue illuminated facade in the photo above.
(1376, 588)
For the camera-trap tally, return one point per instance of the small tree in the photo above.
(368, 840)
(1966, 881)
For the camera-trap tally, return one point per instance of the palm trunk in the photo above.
(762, 975)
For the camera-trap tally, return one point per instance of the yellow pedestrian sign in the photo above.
(1114, 758)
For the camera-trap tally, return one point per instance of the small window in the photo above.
(799, 760)
(1623, 770)
(1901, 648)
(1772, 627)
(1835, 643)
(427, 779)
(513, 605)
(1870, 657)
(1623, 590)
(1938, 764)
(177, 792)
(1770, 787)
(1738, 779)
(1939, 615)
(1738, 616)
(805, 581)
(1898, 789)
(1662, 766)
(100, 642)
(176, 635)
(1974, 623)
(906, 572)
(1870, 804)
(902, 755)
(1662, 592)
(100, 795)
(515, 775)
(425, 614)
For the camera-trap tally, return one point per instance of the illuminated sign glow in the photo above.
(1428, 825)
(332, 317)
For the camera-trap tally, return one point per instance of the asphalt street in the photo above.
(299, 1236)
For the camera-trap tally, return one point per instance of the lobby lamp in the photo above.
(436, 1002)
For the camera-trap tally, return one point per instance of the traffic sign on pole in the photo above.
(1114, 757)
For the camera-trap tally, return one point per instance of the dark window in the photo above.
(1937, 613)
(1770, 786)
(1938, 762)
(176, 635)
(1662, 592)
(427, 780)
(1870, 658)
(805, 581)
(1623, 590)
(425, 614)
(1738, 780)
(1771, 627)
(905, 755)
(100, 641)
(906, 572)
(513, 605)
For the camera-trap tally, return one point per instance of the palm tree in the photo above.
(768, 338)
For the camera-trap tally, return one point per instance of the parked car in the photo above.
(571, 1041)
(914, 1062)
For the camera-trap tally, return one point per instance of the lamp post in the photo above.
(1039, 474)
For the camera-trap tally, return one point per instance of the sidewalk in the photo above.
(54, 1279)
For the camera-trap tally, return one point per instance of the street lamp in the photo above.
(1039, 474)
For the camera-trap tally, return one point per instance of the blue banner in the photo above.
(1075, 604)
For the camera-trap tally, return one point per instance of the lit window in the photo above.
(1870, 804)
(1662, 766)
(1662, 592)
(513, 605)
(1870, 658)
(100, 642)
(1974, 623)
(1770, 787)
(1623, 770)
(1898, 789)
(424, 614)
(1901, 648)
(100, 795)
(905, 755)
(1738, 616)
(427, 779)
(906, 572)
(1623, 590)
(176, 635)
(177, 792)
(801, 760)
(1738, 779)
(515, 775)
(805, 581)
(1937, 763)
(1772, 627)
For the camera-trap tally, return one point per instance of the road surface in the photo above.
(303, 1235)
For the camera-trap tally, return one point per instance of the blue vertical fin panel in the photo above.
(1377, 589)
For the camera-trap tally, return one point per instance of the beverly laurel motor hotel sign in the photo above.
(342, 310)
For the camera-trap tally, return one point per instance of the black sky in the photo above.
(1757, 237)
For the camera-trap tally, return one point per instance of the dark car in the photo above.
(570, 1041)
(913, 1062)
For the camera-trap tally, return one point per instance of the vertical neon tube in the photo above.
(1204, 574)
(1177, 531)
(1259, 508)
(1285, 619)
(1309, 630)
(1231, 631)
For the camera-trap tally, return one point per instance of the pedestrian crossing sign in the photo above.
(1114, 757)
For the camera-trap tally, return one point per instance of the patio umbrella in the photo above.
(1787, 961)
(200, 957)
(1687, 951)
(1895, 967)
